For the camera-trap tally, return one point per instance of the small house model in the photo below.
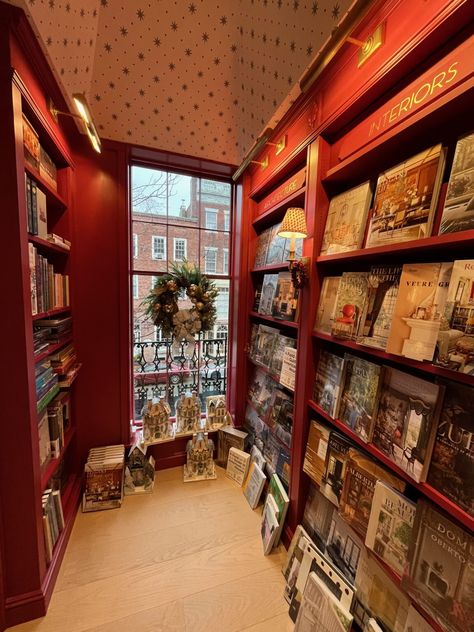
(157, 425)
(199, 458)
(188, 413)
(139, 471)
(216, 411)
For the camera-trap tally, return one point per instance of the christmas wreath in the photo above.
(161, 304)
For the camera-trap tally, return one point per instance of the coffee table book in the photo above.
(237, 465)
(254, 484)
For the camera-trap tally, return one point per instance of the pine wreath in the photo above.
(161, 304)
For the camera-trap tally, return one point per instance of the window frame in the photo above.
(135, 246)
(215, 213)
(214, 250)
(175, 240)
(160, 237)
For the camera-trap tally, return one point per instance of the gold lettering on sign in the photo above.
(427, 89)
(285, 191)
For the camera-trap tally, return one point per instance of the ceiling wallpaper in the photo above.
(190, 76)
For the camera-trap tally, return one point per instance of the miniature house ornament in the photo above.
(199, 459)
(216, 411)
(157, 425)
(139, 471)
(188, 413)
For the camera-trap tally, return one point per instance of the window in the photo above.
(211, 219)
(225, 261)
(135, 286)
(158, 248)
(153, 280)
(137, 332)
(221, 331)
(210, 260)
(135, 245)
(227, 221)
(179, 248)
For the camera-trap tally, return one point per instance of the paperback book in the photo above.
(318, 517)
(458, 212)
(285, 300)
(321, 610)
(451, 470)
(253, 486)
(316, 452)
(406, 421)
(360, 395)
(346, 220)
(328, 383)
(350, 305)
(268, 292)
(390, 526)
(333, 479)
(406, 198)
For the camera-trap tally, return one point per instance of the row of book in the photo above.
(271, 349)
(273, 249)
(276, 296)
(53, 520)
(422, 311)
(405, 202)
(37, 223)
(49, 289)
(424, 428)
(104, 475)
(52, 426)
(36, 155)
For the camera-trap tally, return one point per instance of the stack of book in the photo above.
(103, 472)
(40, 340)
(57, 240)
(54, 330)
(36, 155)
(272, 249)
(63, 359)
(53, 520)
(49, 289)
(37, 222)
(46, 382)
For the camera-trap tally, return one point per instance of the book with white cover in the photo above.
(416, 623)
(237, 465)
(253, 486)
(327, 304)
(257, 457)
(321, 610)
(269, 526)
(41, 214)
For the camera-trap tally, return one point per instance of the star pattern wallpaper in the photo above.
(190, 76)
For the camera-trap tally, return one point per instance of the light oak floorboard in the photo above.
(281, 623)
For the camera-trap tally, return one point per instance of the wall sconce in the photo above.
(280, 145)
(293, 227)
(263, 163)
(370, 45)
(84, 114)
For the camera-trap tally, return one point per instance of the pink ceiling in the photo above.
(190, 76)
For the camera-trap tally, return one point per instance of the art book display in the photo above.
(390, 526)
(406, 198)
(328, 382)
(458, 212)
(327, 304)
(346, 220)
(406, 422)
(350, 304)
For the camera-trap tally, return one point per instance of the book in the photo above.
(390, 526)
(280, 415)
(335, 471)
(358, 491)
(451, 470)
(254, 484)
(382, 294)
(350, 304)
(458, 211)
(415, 622)
(31, 144)
(44, 438)
(229, 437)
(278, 351)
(346, 220)
(269, 525)
(268, 292)
(278, 493)
(371, 625)
(266, 344)
(237, 465)
(47, 169)
(260, 392)
(257, 457)
(285, 300)
(455, 344)
(318, 517)
(327, 304)
(406, 421)
(321, 610)
(283, 465)
(344, 547)
(288, 368)
(314, 463)
(360, 395)
(41, 214)
(328, 382)
(439, 574)
(257, 296)
(262, 246)
(405, 199)
(299, 542)
(276, 247)
(103, 474)
(418, 310)
(33, 287)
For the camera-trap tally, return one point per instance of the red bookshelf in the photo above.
(277, 267)
(47, 247)
(274, 321)
(51, 313)
(52, 465)
(52, 348)
(53, 198)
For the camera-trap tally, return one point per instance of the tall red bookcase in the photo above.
(346, 127)
(26, 83)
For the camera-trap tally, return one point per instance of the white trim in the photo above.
(209, 249)
(158, 238)
(185, 241)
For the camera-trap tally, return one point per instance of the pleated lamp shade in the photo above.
(294, 224)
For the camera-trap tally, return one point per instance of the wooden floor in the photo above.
(184, 559)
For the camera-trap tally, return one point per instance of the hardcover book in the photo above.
(381, 298)
(455, 347)
(317, 517)
(418, 310)
(344, 547)
(299, 542)
(288, 368)
(253, 486)
(390, 526)
(350, 305)
(335, 471)
(327, 305)
(264, 345)
(360, 395)
(440, 573)
(321, 610)
(278, 493)
(285, 300)
(406, 421)
(406, 198)
(278, 351)
(229, 437)
(237, 465)
(41, 217)
(316, 451)
(269, 525)
(280, 415)
(262, 247)
(359, 485)
(328, 382)
(276, 247)
(451, 470)
(268, 292)
(415, 622)
(458, 212)
(346, 220)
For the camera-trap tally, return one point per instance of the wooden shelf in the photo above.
(51, 312)
(53, 198)
(52, 349)
(47, 246)
(424, 488)
(52, 465)
(275, 321)
(277, 439)
(425, 367)
(276, 212)
(275, 267)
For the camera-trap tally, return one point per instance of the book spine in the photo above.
(33, 288)
(29, 220)
(34, 208)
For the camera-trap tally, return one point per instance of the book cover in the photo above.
(276, 247)
(316, 451)
(350, 304)
(278, 351)
(283, 465)
(278, 493)
(381, 299)
(253, 486)
(390, 526)
(285, 300)
(406, 198)
(440, 572)
(260, 392)
(418, 310)
(328, 382)
(327, 304)
(360, 395)
(257, 296)
(237, 465)
(415, 622)
(257, 457)
(229, 437)
(346, 220)
(262, 246)
(268, 292)
(458, 212)
(269, 525)
(41, 214)
(317, 517)
(280, 415)
(299, 542)
(359, 485)
(264, 345)
(335, 471)
(451, 470)
(455, 345)
(344, 547)
(406, 421)
(288, 368)
(321, 610)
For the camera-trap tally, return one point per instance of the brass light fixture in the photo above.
(293, 227)
(84, 114)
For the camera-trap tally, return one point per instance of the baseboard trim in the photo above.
(24, 607)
